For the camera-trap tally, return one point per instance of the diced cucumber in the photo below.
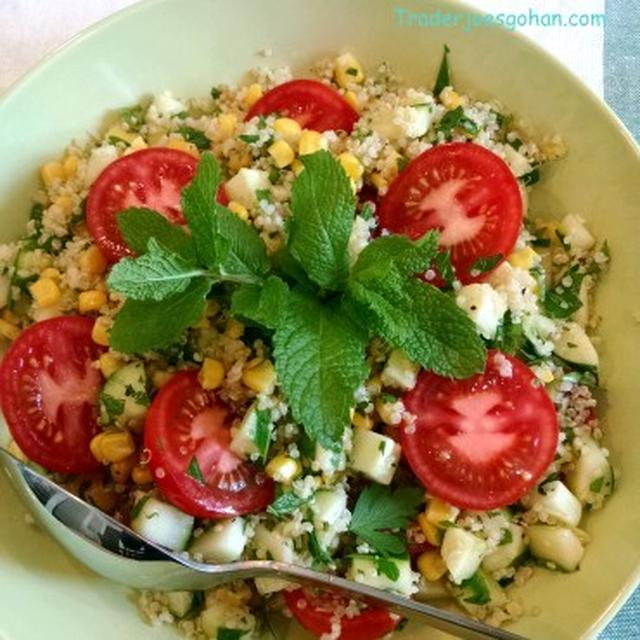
(389, 574)
(462, 552)
(181, 603)
(592, 475)
(217, 617)
(265, 586)
(374, 455)
(573, 344)
(163, 524)
(330, 514)
(399, 372)
(557, 501)
(508, 552)
(272, 544)
(480, 590)
(223, 542)
(559, 546)
(243, 442)
(124, 397)
(243, 186)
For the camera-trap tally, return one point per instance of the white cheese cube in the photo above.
(330, 515)
(243, 186)
(98, 161)
(518, 163)
(518, 286)
(384, 124)
(374, 455)
(399, 372)
(541, 332)
(366, 570)
(414, 121)
(223, 542)
(558, 502)
(576, 234)
(165, 105)
(484, 305)
(462, 552)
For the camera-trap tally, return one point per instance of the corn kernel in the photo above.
(431, 532)
(451, 99)
(211, 374)
(120, 134)
(238, 209)
(439, 511)
(183, 145)
(379, 181)
(361, 421)
(226, 125)
(239, 159)
(52, 172)
(543, 373)
(50, 272)
(260, 378)
(121, 471)
(282, 153)
(234, 329)
(348, 70)
(297, 167)
(10, 316)
(137, 144)
(288, 129)
(8, 330)
(70, 166)
(311, 141)
(160, 378)
(352, 99)
(253, 94)
(431, 565)
(109, 364)
(45, 292)
(89, 301)
(283, 468)
(100, 332)
(92, 261)
(112, 446)
(388, 412)
(351, 165)
(65, 204)
(141, 474)
(524, 259)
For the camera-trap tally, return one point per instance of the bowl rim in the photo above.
(586, 93)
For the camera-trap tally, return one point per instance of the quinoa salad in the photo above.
(314, 321)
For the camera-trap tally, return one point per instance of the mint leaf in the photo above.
(144, 326)
(443, 80)
(286, 265)
(139, 225)
(416, 317)
(156, 275)
(323, 208)
(320, 360)
(263, 305)
(379, 510)
(285, 504)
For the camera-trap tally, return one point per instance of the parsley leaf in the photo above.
(264, 305)
(196, 137)
(530, 178)
(506, 538)
(285, 504)
(485, 264)
(388, 568)
(262, 436)
(195, 472)
(510, 336)
(225, 633)
(477, 588)
(563, 300)
(378, 510)
(320, 360)
(410, 315)
(323, 208)
(320, 556)
(456, 120)
(156, 275)
(133, 116)
(443, 80)
(146, 325)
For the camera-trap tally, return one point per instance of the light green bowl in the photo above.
(189, 45)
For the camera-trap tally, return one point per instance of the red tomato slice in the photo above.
(481, 443)
(151, 178)
(466, 192)
(49, 391)
(317, 614)
(312, 104)
(187, 433)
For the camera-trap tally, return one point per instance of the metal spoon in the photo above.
(155, 567)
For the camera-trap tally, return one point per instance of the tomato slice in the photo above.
(317, 614)
(466, 192)
(312, 104)
(49, 393)
(481, 443)
(151, 178)
(187, 435)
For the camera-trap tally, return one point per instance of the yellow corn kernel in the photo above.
(92, 261)
(183, 145)
(65, 203)
(160, 378)
(112, 446)
(239, 210)
(89, 301)
(543, 373)
(348, 70)
(8, 330)
(234, 329)
(109, 364)
(310, 142)
(282, 153)
(45, 292)
(260, 377)
(351, 165)
(121, 471)
(211, 373)
(524, 259)
(141, 474)
(52, 172)
(70, 166)
(283, 468)
(50, 272)
(239, 160)
(431, 565)
(451, 99)
(136, 144)
(431, 532)
(361, 421)
(226, 125)
(100, 332)
(297, 167)
(439, 511)
(352, 99)
(121, 134)
(288, 129)
(379, 181)
(253, 94)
